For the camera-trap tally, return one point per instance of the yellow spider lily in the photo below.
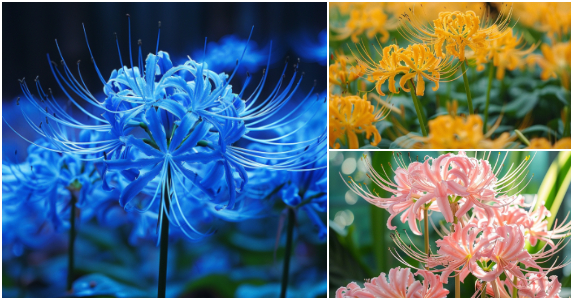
(349, 115)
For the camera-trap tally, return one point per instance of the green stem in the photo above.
(288, 250)
(484, 289)
(490, 80)
(417, 105)
(426, 234)
(567, 124)
(164, 239)
(72, 236)
(514, 287)
(522, 137)
(467, 86)
(457, 278)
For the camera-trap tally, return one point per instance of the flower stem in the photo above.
(495, 290)
(72, 236)
(467, 86)
(514, 287)
(426, 234)
(490, 80)
(288, 250)
(417, 105)
(484, 289)
(457, 278)
(164, 239)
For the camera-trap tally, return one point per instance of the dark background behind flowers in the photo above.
(240, 259)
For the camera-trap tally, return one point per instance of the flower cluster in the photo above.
(446, 41)
(401, 285)
(490, 221)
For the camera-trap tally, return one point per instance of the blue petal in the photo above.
(132, 189)
(182, 130)
(198, 133)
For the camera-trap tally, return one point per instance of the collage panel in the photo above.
(164, 150)
(433, 75)
(434, 224)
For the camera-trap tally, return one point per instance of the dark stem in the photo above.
(72, 237)
(467, 86)
(288, 250)
(164, 239)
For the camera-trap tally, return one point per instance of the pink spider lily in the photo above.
(400, 284)
(532, 222)
(509, 251)
(462, 248)
(533, 285)
(480, 186)
(403, 196)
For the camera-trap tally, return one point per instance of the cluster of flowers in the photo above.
(443, 40)
(487, 238)
(174, 143)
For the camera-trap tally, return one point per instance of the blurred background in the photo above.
(359, 239)
(242, 259)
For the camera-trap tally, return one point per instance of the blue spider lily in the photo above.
(222, 55)
(158, 129)
(49, 179)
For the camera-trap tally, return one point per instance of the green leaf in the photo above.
(345, 263)
(553, 189)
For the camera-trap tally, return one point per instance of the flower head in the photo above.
(506, 52)
(350, 115)
(555, 62)
(163, 123)
(400, 284)
(458, 132)
(369, 19)
(454, 30)
(417, 62)
(340, 74)
(544, 143)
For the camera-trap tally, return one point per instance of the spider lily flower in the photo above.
(457, 132)
(457, 30)
(540, 286)
(533, 285)
(221, 55)
(352, 115)
(417, 62)
(507, 52)
(311, 48)
(458, 252)
(555, 62)
(544, 143)
(532, 222)
(400, 284)
(554, 18)
(189, 123)
(450, 180)
(341, 75)
(404, 194)
(509, 251)
(368, 19)
(49, 179)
